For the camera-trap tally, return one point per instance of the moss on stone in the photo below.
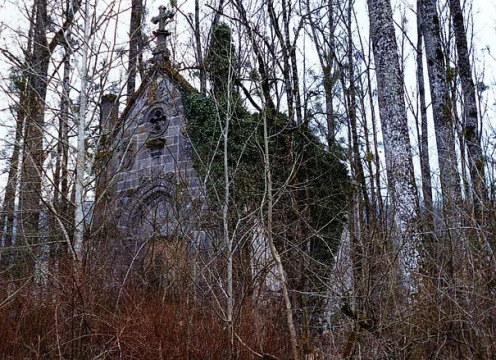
(155, 143)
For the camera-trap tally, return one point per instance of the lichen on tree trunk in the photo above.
(397, 147)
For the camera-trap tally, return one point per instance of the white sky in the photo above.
(11, 19)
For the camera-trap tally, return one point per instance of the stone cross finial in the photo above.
(162, 19)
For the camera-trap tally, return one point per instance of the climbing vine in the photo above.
(310, 182)
(304, 171)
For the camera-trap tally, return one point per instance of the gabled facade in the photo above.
(156, 189)
(148, 195)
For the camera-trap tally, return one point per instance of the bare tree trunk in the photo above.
(60, 174)
(368, 151)
(286, 18)
(8, 206)
(228, 240)
(442, 113)
(372, 156)
(218, 13)
(377, 160)
(264, 76)
(352, 115)
(81, 149)
(289, 86)
(397, 148)
(30, 192)
(328, 81)
(7, 215)
(64, 140)
(199, 54)
(360, 217)
(135, 44)
(325, 48)
(423, 135)
(33, 154)
(471, 130)
(275, 253)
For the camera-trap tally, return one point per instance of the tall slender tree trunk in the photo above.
(60, 177)
(33, 153)
(218, 13)
(262, 69)
(377, 160)
(399, 164)
(135, 44)
(423, 135)
(285, 54)
(352, 115)
(368, 151)
(64, 139)
(286, 18)
(8, 206)
(199, 53)
(361, 215)
(274, 252)
(325, 50)
(7, 216)
(442, 113)
(228, 239)
(471, 131)
(64, 125)
(81, 149)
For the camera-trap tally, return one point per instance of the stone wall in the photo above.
(157, 197)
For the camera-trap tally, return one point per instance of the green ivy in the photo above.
(311, 183)
(303, 170)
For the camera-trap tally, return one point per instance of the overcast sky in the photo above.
(483, 36)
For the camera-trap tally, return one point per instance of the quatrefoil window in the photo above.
(157, 119)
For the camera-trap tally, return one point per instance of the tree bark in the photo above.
(397, 147)
(199, 53)
(274, 252)
(264, 76)
(30, 190)
(286, 67)
(81, 149)
(423, 136)
(352, 115)
(7, 215)
(325, 46)
(291, 49)
(58, 221)
(471, 130)
(442, 113)
(135, 44)
(33, 153)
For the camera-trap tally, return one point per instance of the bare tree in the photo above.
(33, 152)
(471, 131)
(392, 110)
(423, 135)
(322, 29)
(81, 149)
(442, 112)
(8, 206)
(135, 45)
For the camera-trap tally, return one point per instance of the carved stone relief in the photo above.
(157, 119)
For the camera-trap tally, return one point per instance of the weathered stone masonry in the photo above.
(153, 194)
(152, 161)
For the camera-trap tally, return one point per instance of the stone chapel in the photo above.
(151, 201)
(147, 190)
